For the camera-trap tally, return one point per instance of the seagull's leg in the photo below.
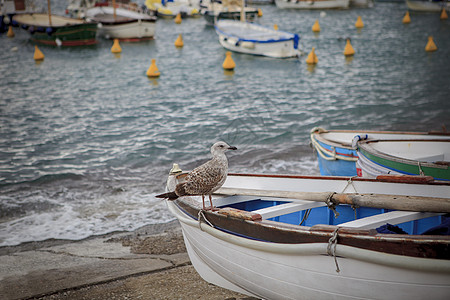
(212, 206)
(203, 200)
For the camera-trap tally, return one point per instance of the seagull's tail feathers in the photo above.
(169, 196)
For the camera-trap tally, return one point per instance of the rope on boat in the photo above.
(305, 217)
(200, 216)
(331, 205)
(332, 250)
(323, 152)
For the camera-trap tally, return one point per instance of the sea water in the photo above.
(87, 140)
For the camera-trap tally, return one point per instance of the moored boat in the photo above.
(171, 8)
(213, 10)
(411, 157)
(255, 39)
(58, 30)
(337, 156)
(123, 24)
(313, 4)
(254, 244)
(428, 6)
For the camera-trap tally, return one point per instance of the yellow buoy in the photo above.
(178, 19)
(116, 47)
(312, 57)
(260, 13)
(444, 15)
(431, 46)
(38, 55)
(228, 63)
(275, 26)
(179, 42)
(153, 70)
(359, 23)
(10, 32)
(349, 51)
(316, 26)
(406, 18)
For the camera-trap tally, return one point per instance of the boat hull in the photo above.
(337, 156)
(313, 4)
(62, 32)
(411, 157)
(306, 271)
(427, 6)
(241, 37)
(211, 16)
(133, 31)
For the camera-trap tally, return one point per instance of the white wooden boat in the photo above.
(427, 6)
(361, 3)
(213, 10)
(255, 39)
(312, 4)
(336, 149)
(412, 157)
(254, 245)
(123, 24)
(171, 8)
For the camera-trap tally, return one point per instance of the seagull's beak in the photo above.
(232, 148)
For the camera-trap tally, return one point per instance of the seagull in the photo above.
(205, 179)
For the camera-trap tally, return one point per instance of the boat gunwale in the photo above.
(20, 16)
(337, 178)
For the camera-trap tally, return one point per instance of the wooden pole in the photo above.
(49, 12)
(396, 202)
(114, 8)
(243, 11)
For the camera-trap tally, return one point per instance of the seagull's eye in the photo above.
(221, 146)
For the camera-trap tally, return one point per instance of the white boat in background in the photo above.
(400, 157)
(171, 8)
(255, 39)
(336, 149)
(123, 24)
(253, 243)
(427, 6)
(361, 3)
(213, 10)
(312, 4)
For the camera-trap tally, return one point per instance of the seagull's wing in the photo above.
(204, 179)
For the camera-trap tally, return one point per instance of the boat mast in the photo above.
(49, 12)
(114, 8)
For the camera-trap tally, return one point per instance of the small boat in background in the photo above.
(57, 30)
(213, 10)
(312, 4)
(123, 24)
(400, 157)
(385, 240)
(171, 8)
(361, 3)
(428, 6)
(249, 38)
(336, 151)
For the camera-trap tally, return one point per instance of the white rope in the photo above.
(200, 216)
(332, 250)
(323, 152)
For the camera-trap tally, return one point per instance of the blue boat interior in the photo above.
(324, 215)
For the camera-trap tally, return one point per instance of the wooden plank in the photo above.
(392, 217)
(286, 208)
(394, 202)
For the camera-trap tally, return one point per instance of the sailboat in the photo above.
(57, 30)
(122, 23)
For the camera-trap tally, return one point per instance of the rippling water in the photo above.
(87, 139)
